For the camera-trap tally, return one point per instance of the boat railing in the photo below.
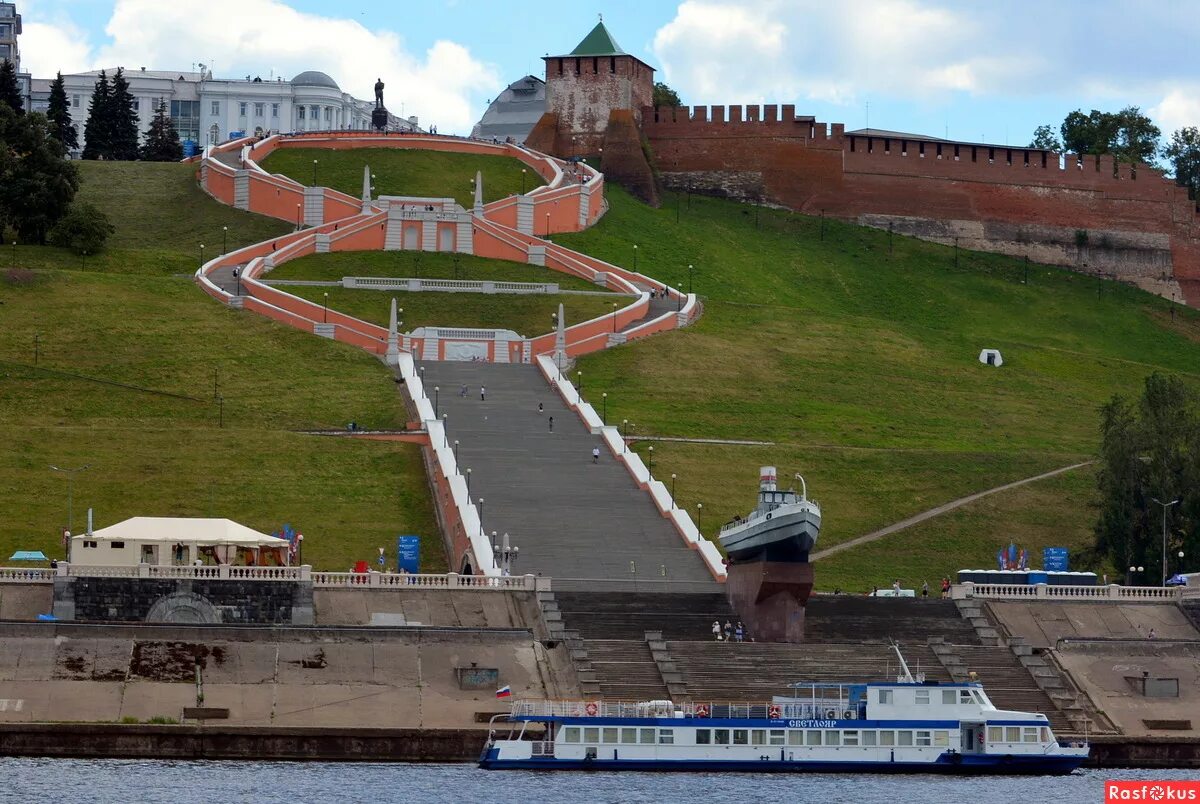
(825, 708)
(756, 515)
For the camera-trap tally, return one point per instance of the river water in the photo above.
(66, 781)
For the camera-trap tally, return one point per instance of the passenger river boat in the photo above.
(909, 726)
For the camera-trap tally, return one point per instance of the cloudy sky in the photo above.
(963, 70)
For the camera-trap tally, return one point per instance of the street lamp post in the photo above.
(325, 314)
(224, 239)
(650, 470)
(604, 408)
(672, 490)
(547, 224)
(635, 250)
(481, 530)
(468, 482)
(445, 432)
(624, 435)
(506, 554)
(201, 255)
(579, 383)
(1165, 506)
(1133, 574)
(314, 173)
(456, 450)
(437, 408)
(699, 511)
(70, 473)
(614, 305)
(14, 257)
(689, 278)
(522, 181)
(297, 217)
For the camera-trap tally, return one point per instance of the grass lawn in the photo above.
(526, 315)
(127, 360)
(161, 216)
(425, 174)
(860, 361)
(422, 265)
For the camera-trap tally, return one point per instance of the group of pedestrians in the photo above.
(730, 632)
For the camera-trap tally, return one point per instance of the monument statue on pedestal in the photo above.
(379, 116)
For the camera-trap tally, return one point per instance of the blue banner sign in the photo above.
(1054, 559)
(408, 553)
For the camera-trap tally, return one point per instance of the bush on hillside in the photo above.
(83, 229)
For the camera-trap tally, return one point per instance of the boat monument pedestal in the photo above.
(770, 596)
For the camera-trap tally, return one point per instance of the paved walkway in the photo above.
(939, 510)
(571, 518)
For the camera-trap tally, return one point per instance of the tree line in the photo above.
(38, 182)
(1130, 136)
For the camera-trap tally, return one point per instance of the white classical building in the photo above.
(208, 110)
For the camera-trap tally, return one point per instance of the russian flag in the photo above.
(504, 692)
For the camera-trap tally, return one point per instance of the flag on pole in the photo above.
(504, 692)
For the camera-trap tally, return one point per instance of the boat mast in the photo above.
(803, 487)
(908, 676)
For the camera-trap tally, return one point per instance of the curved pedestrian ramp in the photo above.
(585, 524)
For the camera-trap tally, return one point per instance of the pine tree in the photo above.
(10, 93)
(162, 140)
(123, 137)
(96, 132)
(59, 113)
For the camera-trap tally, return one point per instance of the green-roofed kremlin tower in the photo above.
(585, 86)
(594, 100)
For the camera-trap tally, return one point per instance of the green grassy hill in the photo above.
(858, 358)
(426, 174)
(118, 367)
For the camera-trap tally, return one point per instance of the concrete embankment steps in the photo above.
(573, 520)
(851, 618)
(1009, 684)
(629, 615)
(625, 670)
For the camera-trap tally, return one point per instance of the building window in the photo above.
(242, 109)
(795, 737)
(904, 738)
(666, 736)
(703, 737)
(260, 109)
(885, 696)
(117, 545)
(75, 101)
(300, 112)
(922, 696)
(315, 111)
(137, 104)
(949, 696)
(571, 734)
(274, 110)
(923, 738)
(610, 736)
(591, 735)
(6, 30)
(216, 107)
(720, 736)
(5, 51)
(777, 736)
(628, 736)
(868, 738)
(646, 736)
(887, 738)
(328, 113)
(812, 737)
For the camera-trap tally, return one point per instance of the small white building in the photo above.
(177, 541)
(991, 357)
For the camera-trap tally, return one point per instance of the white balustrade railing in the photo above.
(22, 575)
(327, 580)
(1041, 591)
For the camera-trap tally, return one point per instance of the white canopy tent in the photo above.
(181, 541)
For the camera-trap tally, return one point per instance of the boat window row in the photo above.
(1018, 734)
(762, 737)
(622, 736)
(925, 696)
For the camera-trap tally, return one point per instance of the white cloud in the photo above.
(1179, 108)
(729, 51)
(445, 86)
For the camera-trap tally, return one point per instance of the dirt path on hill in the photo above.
(938, 511)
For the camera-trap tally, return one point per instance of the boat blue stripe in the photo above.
(709, 723)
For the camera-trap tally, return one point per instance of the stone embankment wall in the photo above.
(100, 599)
(1086, 213)
(360, 678)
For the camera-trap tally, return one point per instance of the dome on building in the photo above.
(313, 78)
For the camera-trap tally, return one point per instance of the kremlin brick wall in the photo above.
(1084, 213)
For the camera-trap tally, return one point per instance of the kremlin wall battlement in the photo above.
(1088, 213)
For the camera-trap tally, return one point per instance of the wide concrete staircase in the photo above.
(855, 618)
(722, 671)
(625, 670)
(585, 525)
(629, 615)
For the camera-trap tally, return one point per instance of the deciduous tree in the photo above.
(1183, 152)
(36, 183)
(1045, 139)
(665, 96)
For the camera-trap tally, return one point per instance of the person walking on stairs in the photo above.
(482, 394)
(552, 424)
(595, 455)
(716, 630)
